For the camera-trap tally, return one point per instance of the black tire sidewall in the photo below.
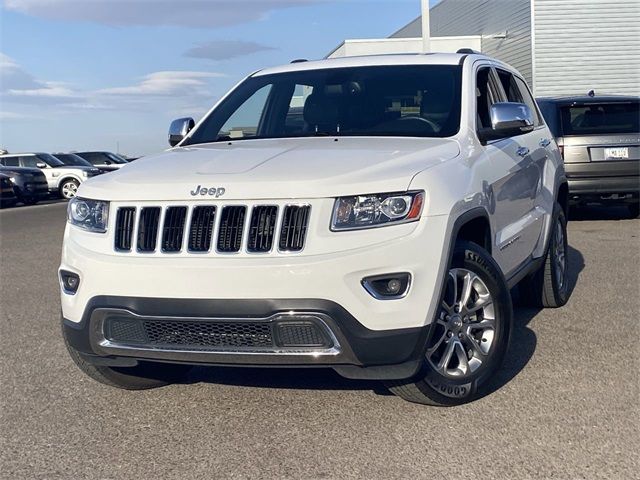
(561, 294)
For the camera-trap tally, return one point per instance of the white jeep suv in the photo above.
(366, 214)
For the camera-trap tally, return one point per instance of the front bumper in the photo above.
(348, 347)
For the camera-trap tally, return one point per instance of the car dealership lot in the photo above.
(565, 405)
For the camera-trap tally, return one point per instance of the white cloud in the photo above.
(18, 85)
(185, 13)
(225, 49)
(169, 83)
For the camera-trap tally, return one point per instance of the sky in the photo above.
(112, 74)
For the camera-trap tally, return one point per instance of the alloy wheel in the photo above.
(560, 260)
(69, 190)
(465, 327)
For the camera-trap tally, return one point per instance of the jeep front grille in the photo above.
(224, 229)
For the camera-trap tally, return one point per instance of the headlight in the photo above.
(12, 180)
(91, 215)
(376, 210)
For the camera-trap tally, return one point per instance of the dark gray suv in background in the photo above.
(599, 138)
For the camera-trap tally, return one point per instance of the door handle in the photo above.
(545, 142)
(523, 151)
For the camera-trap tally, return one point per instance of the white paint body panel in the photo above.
(458, 174)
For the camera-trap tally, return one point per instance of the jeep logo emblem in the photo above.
(211, 191)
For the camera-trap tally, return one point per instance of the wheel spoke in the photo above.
(474, 345)
(483, 301)
(467, 286)
(446, 356)
(463, 361)
(434, 348)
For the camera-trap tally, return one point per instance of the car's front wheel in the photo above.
(470, 335)
(69, 188)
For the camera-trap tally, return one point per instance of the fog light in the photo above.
(389, 286)
(70, 282)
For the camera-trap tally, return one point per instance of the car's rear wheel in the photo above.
(470, 335)
(69, 188)
(144, 376)
(549, 286)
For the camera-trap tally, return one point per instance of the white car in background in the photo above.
(62, 179)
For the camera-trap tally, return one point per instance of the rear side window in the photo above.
(10, 161)
(600, 118)
(528, 100)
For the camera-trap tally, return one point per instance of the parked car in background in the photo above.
(599, 138)
(7, 195)
(62, 179)
(29, 184)
(105, 161)
(72, 160)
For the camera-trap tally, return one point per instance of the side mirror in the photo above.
(508, 119)
(41, 165)
(179, 129)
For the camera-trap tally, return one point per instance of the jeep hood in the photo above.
(316, 167)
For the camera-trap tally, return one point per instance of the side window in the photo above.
(528, 100)
(508, 82)
(92, 159)
(11, 161)
(30, 161)
(486, 96)
(245, 121)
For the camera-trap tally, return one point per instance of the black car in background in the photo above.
(72, 160)
(105, 161)
(29, 184)
(7, 195)
(599, 138)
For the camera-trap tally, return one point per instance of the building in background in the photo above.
(562, 47)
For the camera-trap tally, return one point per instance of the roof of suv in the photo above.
(370, 61)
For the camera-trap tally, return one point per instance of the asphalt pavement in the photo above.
(565, 405)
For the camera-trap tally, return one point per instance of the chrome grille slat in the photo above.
(148, 229)
(173, 229)
(261, 228)
(201, 228)
(124, 228)
(293, 231)
(232, 229)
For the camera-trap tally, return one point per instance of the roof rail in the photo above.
(299, 60)
(469, 51)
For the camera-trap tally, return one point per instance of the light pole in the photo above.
(426, 28)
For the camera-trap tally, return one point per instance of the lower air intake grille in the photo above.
(148, 229)
(261, 228)
(186, 335)
(294, 228)
(124, 228)
(231, 228)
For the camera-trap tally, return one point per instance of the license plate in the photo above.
(617, 152)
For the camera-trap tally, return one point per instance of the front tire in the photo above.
(469, 336)
(69, 188)
(144, 376)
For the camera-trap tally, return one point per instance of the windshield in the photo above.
(600, 118)
(413, 101)
(72, 160)
(116, 158)
(50, 160)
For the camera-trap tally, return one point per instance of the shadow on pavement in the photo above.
(599, 212)
(523, 339)
(523, 345)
